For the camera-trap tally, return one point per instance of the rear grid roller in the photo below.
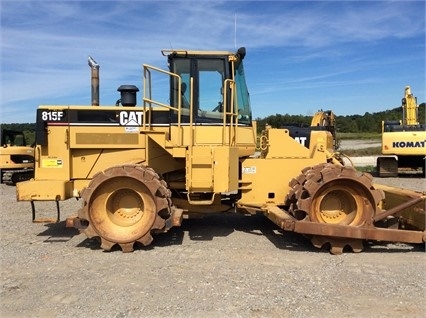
(123, 205)
(333, 194)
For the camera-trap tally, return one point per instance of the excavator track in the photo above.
(124, 205)
(335, 195)
(12, 177)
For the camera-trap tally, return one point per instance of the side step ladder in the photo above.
(46, 220)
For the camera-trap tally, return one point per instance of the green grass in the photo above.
(369, 169)
(372, 151)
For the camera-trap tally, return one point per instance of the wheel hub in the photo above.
(337, 206)
(127, 207)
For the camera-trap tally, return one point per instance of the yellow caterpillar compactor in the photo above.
(403, 141)
(141, 170)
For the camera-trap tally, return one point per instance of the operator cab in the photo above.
(205, 87)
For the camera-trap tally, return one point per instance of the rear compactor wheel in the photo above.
(334, 194)
(123, 204)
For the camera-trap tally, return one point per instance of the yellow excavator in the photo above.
(16, 157)
(403, 141)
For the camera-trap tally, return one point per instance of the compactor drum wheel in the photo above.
(123, 204)
(333, 194)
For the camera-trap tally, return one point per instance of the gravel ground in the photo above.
(351, 144)
(219, 266)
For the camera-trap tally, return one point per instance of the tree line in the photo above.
(367, 123)
(27, 128)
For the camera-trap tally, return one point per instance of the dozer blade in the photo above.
(412, 217)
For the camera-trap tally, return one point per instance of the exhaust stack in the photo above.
(95, 81)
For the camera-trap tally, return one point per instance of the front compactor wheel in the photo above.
(123, 205)
(334, 194)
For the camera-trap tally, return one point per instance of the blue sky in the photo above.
(349, 56)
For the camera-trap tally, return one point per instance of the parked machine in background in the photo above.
(141, 170)
(321, 120)
(403, 141)
(16, 157)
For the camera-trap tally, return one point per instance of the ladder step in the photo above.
(46, 220)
